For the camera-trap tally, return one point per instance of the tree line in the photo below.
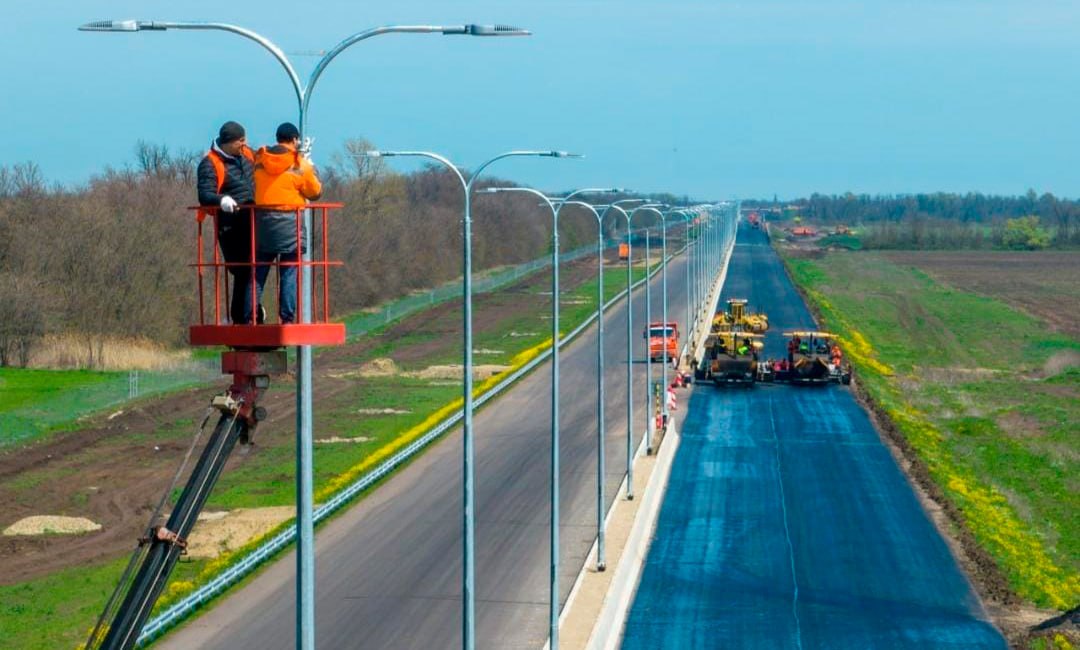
(944, 220)
(110, 259)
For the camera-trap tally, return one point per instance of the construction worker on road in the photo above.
(285, 178)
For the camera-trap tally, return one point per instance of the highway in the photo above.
(388, 571)
(787, 523)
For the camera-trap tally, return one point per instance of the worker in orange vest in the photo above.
(224, 180)
(285, 180)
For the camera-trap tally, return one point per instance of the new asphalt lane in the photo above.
(786, 522)
(388, 571)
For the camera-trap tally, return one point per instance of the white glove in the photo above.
(228, 204)
(305, 146)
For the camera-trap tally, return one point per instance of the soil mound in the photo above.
(216, 532)
(51, 525)
(381, 367)
(454, 371)
(332, 440)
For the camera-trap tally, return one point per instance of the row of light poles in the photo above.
(305, 621)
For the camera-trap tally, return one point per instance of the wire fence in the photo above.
(97, 392)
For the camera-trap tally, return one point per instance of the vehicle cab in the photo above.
(660, 335)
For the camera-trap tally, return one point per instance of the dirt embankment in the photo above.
(115, 469)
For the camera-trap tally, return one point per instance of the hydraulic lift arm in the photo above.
(161, 546)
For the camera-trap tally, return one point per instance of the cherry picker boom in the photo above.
(257, 354)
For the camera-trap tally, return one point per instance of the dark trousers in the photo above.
(239, 312)
(235, 241)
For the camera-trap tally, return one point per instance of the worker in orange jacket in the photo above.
(285, 180)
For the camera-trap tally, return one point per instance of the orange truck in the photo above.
(657, 335)
(624, 251)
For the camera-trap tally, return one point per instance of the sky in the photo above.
(710, 99)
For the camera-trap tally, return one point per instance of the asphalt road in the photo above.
(388, 572)
(786, 522)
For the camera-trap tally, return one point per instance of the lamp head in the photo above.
(487, 30)
(110, 26)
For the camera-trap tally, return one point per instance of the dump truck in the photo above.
(731, 358)
(737, 319)
(814, 358)
(658, 335)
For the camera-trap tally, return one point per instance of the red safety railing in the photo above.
(214, 328)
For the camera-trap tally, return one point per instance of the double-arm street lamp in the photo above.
(553, 603)
(305, 592)
(630, 338)
(663, 229)
(469, 514)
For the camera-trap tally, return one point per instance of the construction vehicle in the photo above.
(814, 358)
(658, 336)
(624, 251)
(731, 357)
(257, 354)
(737, 319)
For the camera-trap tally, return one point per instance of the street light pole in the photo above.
(553, 602)
(689, 289)
(601, 561)
(469, 514)
(663, 220)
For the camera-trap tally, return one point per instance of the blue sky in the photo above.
(712, 99)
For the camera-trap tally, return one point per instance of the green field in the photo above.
(988, 398)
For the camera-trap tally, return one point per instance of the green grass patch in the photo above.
(56, 611)
(31, 401)
(961, 376)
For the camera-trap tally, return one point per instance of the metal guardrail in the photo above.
(236, 572)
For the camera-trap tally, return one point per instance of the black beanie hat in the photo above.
(230, 132)
(287, 132)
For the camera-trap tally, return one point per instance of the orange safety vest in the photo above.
(219, 164)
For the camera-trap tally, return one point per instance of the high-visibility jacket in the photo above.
(284, 181)
(284, 178)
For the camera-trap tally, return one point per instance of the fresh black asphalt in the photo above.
(787, 523)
